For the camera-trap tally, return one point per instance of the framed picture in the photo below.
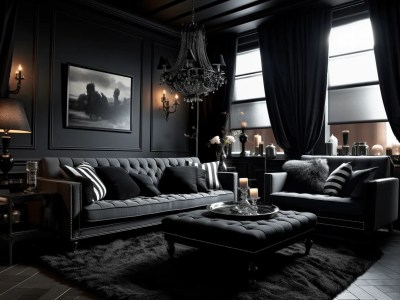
(98, 100)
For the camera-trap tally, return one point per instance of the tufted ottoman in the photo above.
(247, 238)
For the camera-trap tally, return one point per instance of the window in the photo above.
(354, 98)
(249, 103)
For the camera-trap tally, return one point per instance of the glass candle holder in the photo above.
(31, 176)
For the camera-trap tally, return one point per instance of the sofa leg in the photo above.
(391, 227)
(171, 248)
(74, 246)
(308, 243)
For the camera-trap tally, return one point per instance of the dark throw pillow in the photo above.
(120, 185)
(179, 180)
(211, 170)
(202, 181)
(306, 176)
(354, 186)
(88, 195)
(87, 171)
(337, 179)
(146, 185)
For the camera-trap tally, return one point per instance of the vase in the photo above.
(222, 160)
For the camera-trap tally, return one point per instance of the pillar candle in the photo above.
(243, 182)
(254, 193)
(396, 149)
(257, 139)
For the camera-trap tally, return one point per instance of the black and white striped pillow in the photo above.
(211, 170)
(337, 179)
(87, 171)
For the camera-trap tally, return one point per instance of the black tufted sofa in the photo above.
(375, 209)
(111, 216)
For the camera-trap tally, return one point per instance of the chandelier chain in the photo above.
(193, 12)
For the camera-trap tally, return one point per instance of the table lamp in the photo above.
(12, 120)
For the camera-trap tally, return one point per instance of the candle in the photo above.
(243, 124)
(261, 148)
(254, 193)
(257, 139)
(396, 149)
(377, 150)
(243, 182)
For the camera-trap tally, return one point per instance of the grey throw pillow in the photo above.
(306, 176)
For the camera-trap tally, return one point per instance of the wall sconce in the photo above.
(19, 77)
(167, 108)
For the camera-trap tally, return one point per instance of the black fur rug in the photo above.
(140, 268)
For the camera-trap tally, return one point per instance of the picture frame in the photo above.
(98, 100)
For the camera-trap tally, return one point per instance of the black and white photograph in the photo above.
(98, 100)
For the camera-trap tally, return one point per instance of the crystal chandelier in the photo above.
(192, 75)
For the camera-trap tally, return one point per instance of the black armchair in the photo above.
(375, 209)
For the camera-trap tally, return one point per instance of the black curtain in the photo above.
(385, 20)
(8, 12)
(214, 110)
(294, 55)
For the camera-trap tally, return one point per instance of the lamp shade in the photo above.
(13, 117)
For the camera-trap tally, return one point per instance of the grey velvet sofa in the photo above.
(377, 207)
(111, 216)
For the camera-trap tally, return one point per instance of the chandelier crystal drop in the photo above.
(192, 75)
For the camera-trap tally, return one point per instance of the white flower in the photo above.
(215, 140)
(229, 139)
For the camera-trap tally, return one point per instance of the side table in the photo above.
(25, 216)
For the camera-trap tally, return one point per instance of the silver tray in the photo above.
(228, 209)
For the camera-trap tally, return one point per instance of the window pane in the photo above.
(372, 133)
(354, 68)
(351, 37)
(359, 104)
(249, 87)
(254, 113)
(248, 62)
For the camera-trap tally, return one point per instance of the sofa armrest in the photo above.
(274, 182)
(382, 197)
(229, 181)
(71, 195)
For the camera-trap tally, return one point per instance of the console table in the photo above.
(25, 216)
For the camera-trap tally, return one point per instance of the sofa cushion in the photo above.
(105, 210)
(321, 205)
(146, 185)
(306, 176)
(337, 179)
(179, 180)
(354, 186)
(118, 183)
(86, 170)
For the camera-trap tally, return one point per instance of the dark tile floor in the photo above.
(27, 281)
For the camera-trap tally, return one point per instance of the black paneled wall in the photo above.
(49, 36)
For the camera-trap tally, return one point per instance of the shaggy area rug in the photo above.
(140, 268)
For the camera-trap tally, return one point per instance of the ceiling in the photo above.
(217, 15)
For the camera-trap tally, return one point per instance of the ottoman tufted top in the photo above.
(241, 234)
